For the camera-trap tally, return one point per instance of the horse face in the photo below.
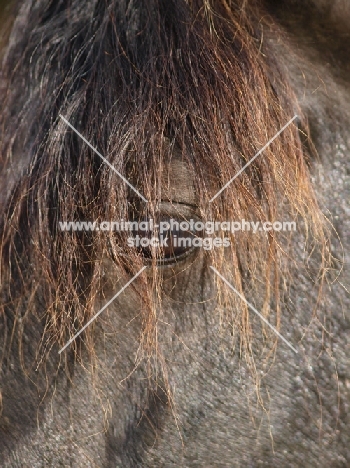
(137, 353)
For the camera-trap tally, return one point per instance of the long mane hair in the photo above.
(141, 80)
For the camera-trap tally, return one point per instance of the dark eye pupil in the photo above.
(166, 246)
(173, 243)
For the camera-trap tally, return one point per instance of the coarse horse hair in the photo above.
(143, 82)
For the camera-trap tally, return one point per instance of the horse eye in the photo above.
(166, 245)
